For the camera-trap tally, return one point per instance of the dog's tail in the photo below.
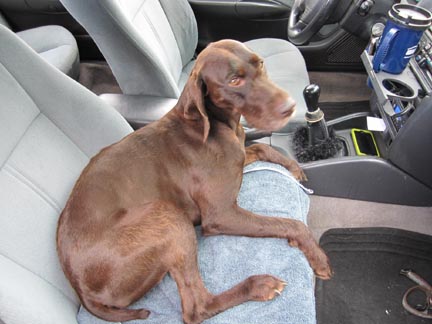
(112, 313)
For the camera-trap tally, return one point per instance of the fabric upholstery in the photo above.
(138, 42)
(50, 126)
(149, 44)
(184, 27)
(56, 45)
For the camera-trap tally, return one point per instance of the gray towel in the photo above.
(267, 189)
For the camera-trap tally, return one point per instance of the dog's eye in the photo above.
(261, 64)
(235, 81)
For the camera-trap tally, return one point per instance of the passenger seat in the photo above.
(55, 44)
(50, 126)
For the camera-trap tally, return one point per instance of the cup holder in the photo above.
(398, 89)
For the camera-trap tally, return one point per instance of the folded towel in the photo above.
(267, 189)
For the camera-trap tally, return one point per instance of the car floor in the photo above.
(329, 212)
(98, 77)
(341, 86)
(335, 86)
(371, 271)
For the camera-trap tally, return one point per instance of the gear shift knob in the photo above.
(317, 128)
(311, 95)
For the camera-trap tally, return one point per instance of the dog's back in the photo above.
(128, 205)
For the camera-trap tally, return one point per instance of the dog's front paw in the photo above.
(299, 174)
(321, 265)
(316, 256)
(265, 287)
(295, 169)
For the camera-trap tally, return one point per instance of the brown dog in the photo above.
(135, 205)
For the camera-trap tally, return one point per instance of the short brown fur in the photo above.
(136, 203)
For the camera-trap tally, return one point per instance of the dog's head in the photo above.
(229, 80)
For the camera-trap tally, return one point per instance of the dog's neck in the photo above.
(229, 117)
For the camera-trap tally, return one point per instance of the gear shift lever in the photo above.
(313, 142)
(317, 128)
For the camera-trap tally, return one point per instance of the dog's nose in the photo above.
(287, 108)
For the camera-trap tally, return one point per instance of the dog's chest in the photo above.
(222, 159)
(228, 146)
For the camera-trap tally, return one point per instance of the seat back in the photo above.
(49, 128)
(146, 42)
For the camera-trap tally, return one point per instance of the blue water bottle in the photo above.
(398, 43)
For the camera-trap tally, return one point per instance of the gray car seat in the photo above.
(49, 128)
(150, 47)
(55, 44)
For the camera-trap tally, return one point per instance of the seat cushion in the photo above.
(286, 66)
(56, 45)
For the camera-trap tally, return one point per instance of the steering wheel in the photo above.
(307, 17)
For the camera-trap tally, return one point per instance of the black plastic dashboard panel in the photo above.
(259, 10)
(360, 25)
(244, 9)
(216, 8)
(32, 5)
(242, 20)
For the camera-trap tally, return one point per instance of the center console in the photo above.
(397, 96)
(402, 174)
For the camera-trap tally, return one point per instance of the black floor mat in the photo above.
(366, 287)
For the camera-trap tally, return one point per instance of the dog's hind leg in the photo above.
(198, 303)
(114, 314)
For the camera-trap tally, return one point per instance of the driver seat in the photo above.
(150, 47)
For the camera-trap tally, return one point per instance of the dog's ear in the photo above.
(193, 104)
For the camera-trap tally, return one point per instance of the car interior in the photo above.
(362, 135)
